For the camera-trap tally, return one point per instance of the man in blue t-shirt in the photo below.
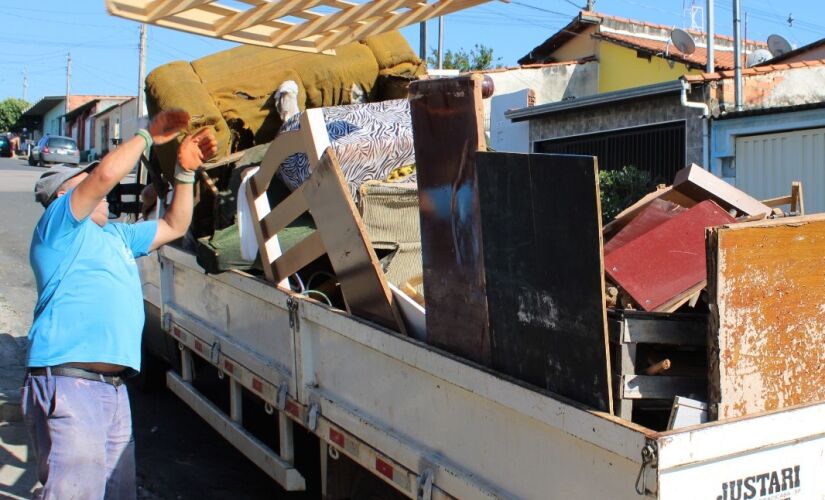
(89, 315)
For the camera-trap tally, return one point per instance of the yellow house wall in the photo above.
(620, 68)
(580, 46)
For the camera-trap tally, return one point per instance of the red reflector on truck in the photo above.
(229, 367)
(257, 385)
(336, 437)
(198, 346)
(383, 467)
(293, 409)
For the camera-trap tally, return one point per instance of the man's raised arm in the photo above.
(117, 164)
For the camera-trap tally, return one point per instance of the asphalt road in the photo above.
(178, 455)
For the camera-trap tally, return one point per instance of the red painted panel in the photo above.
(658, 212)
(668, 260)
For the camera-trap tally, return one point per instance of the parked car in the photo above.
(54, 149)
(5, 147)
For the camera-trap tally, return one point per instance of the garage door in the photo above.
(767, 164)
(657, 149)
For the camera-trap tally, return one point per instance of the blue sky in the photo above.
(36, 38)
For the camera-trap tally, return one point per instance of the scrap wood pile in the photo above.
(654, 251)
(514, 269)
(708, 315)
(676, 336)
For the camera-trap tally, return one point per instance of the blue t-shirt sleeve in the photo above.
(138, 237)
(57, 227)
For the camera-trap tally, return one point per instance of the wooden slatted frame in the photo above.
(273, 23)
(311, 139)
(796, 200)
(340, 234)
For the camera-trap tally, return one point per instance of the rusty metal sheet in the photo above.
(767, 325)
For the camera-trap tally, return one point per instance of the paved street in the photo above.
(178, 455)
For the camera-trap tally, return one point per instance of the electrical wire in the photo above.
(307, 293)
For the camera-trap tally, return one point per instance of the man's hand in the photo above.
(196, 148)
(167, 124)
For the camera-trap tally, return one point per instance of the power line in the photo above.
(541, 9)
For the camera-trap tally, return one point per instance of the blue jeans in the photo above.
(82, 436)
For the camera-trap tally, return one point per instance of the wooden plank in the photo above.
(661, 387)
(767, 334)
(541, 232)
(668, 261)
(394, 20)
(273, 23)
(453, 265)
(281, 216)
(298, 257)
(699, 184)
(356, 266)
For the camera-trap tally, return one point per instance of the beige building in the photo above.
(115, 124)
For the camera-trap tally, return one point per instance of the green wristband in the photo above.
(184, 176)
(146, 137)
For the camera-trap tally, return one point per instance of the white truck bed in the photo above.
(435, 426)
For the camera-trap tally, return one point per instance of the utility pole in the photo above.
(590, 6)
(440, 42)
(711, 37)
(141, 71)
(737, 55)
(25, 83)
(422, 46)
(68, 87)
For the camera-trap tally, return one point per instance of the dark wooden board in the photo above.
(447, 120)
(667, 261)
(541, 228)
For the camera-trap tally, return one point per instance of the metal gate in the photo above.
(657, 149)
(767, 164)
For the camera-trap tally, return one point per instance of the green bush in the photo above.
(621, 188)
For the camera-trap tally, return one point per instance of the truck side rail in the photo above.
(412, 415)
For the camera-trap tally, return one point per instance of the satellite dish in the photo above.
(759, 56)
(683, 41)
(778, 45)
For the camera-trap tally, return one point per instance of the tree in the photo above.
(10, 111)
(478, 58)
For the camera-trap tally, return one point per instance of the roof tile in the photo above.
(756, 70)
(723, 59)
